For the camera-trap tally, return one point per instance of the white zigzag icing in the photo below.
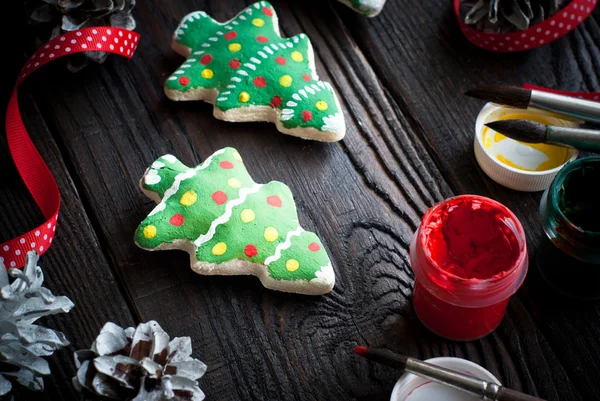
(177, 182)
(224, 218)
(284, 245)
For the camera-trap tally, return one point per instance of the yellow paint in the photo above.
(292, 265)
(557, 155)
(219, 249)
(244, 97)
(150, 231)
(237, 156)
(258, 22)
(234, 47)
(285, 81)
(247, 215)
(189, 198)
(207, 73)
(297, 57)
(322, 105)
(271, 234)
(234, 183)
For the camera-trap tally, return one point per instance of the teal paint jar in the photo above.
(570, 210)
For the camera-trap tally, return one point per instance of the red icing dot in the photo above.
(306, 77)
(219, 197)
(235, 63)
(184, 80)
(250, 250)
(307, 116)
(268, 12)
(313, 246)
(206, 59)
(262, 39)
(227, 165)
(274, 200)
(280, 60)
(260, 82)
(177, 220)
(276, 102)
(231, 35)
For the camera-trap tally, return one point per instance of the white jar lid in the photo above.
(504, 174)
(413, 388)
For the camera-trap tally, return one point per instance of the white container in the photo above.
(414, 388)
(503, 174)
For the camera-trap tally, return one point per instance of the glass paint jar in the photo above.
(465, 304)
(570, 210)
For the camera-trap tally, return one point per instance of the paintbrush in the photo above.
(521, 98)
(480, 388)
(533, 132)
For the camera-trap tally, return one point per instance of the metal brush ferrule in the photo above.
(580, 109)
(438, 374)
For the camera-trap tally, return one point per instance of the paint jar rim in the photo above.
(465, 292)
(570, 238)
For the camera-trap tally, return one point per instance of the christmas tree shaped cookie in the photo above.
(231, 225)
(370, 8)
(250, 73)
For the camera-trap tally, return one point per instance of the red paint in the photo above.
(276, 102)
(280, 60)
(360, 350)
(231, 35)
(260, 82)
(184, 80)
(262, 39)
(219, 197)
(313, 246)
(206, 59)
(226, 164)
(235, 63)
(177, 220)
(267, 12)
(306, 77)
(306, 116)
(250, 250)
(469, 256)
(274, 200)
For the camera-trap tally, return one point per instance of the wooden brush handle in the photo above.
(506, 394)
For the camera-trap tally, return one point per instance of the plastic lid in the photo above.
(488, 152)
(413, 388)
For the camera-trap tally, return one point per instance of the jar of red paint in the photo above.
(469, 256)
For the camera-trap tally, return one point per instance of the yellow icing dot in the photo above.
(322, 105)
(189, 198)
(150, 231)
(247, 215)
(244, 97)
(234, 183)
(237, 156)
(292, 265)
(219, 249)
(297, 57)
(207, 73)
(285, 81)
(271, 234)
(234, 47)
(259, 22)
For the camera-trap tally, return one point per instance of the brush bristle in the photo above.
(520, 130)
(502, 94)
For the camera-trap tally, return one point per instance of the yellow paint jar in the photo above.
(518, 165)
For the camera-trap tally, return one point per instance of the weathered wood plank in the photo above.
(364, 196)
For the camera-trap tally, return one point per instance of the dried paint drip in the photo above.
(521, 155)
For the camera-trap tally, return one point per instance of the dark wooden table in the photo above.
(409, 145)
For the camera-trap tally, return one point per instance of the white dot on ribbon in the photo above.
(18, 252)
(37, 233)
(120, 33)
(73, 41)
(104, 38)
(67, 49)
(99, 45)
(51, 240)
(111, 47)
(41, 248)
(45, 236)
(47, 47)
(62, 39)
(32, 244)
(6, 247)
(12, 264)
(89, 38)
(22, 241)
(121, 49)
(129, 35)
(94, 31)
(78, 33)
(56, 47)
(84, 46)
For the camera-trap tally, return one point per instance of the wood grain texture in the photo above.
(409, 141)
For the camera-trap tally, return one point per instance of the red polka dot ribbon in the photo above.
(29, 163)
(561, 23)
